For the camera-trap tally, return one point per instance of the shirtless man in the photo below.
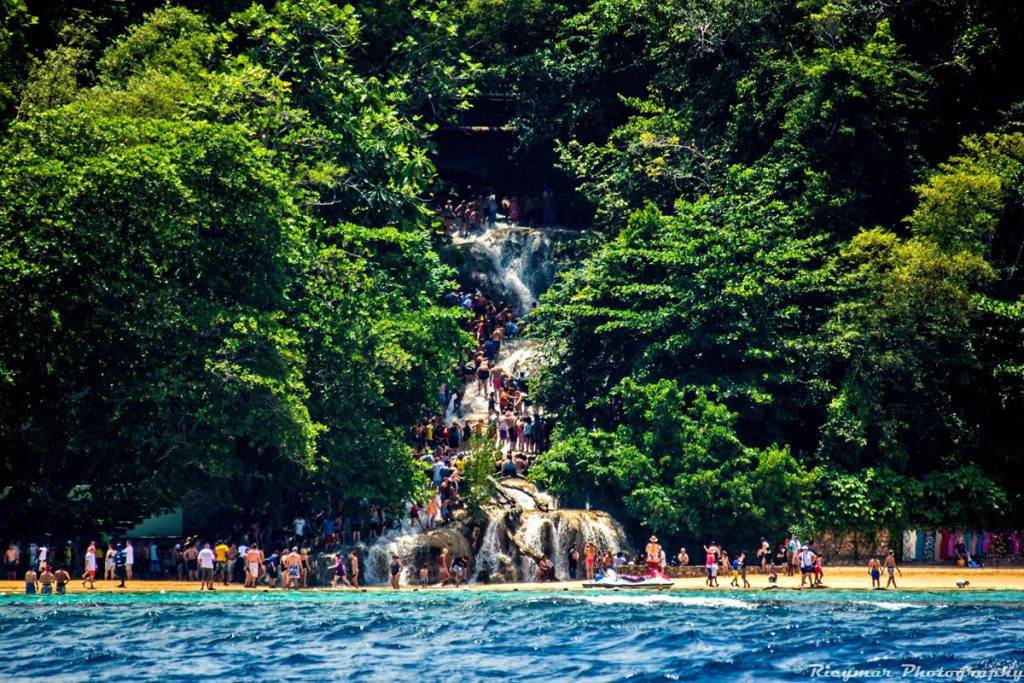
(253, 562)
(61, 579)
(655, 554)
(31, 579)
(683, 558)
(293, 568)
(46, 580)
(875, 570)
(891, 568)
(11, 559)
(355, 568)
(191, 556)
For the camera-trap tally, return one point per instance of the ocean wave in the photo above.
(662, 599)
(892, 605)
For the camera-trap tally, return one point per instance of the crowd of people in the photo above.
(442, 439)
(472, 214)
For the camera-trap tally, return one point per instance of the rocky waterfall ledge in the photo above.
(523, 524)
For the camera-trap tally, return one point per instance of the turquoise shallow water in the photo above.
(515, 636)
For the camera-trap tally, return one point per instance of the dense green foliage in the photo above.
(216, 273)
(792, 276)
(801, 303)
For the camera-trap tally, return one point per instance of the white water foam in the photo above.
(663, 599)
(889, 605)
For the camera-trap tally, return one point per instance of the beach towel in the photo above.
(909, 545)
(943, 542)
(929, 554)
(986, 543)
(919, 547)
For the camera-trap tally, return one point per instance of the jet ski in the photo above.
(612, 579)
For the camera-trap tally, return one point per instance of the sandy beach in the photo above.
(836, 578)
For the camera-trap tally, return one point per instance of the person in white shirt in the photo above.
(206, 562)
(299, 524)
(44, 553)
(90, 567)
(129, 554)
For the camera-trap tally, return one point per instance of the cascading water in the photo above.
(554, 533)
(510, 264)
(514, 264)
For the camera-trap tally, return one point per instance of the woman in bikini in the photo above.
(590, 553)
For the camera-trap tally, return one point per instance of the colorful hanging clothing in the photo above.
(909, 545)
(929, 554)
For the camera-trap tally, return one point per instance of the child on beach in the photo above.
(742, 559)
(424, 576)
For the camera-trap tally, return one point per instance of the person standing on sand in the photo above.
(683, 558)
(45, 580)
(191, 557)
(220, 561)
(108, 563)
(11, 559)
(253, 561)
(90, 567)
(207, 561)
(121, 565)
(443, 574)
(31, 579)
(764, 553)
(355, 568)
(875, 570)
(590, 556)
(293, 568)
(61, 578)
(574, 561)
(129, 558)
(655, 555)
(743, 569)
(806, 558)
(395, 570)
(891, 568)
(710, 564)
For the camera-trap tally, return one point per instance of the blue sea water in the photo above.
(514, 636)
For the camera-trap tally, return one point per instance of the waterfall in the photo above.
(402, 542)
(553, 533)
(513, 264)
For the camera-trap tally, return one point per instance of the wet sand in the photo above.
(836, 578)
